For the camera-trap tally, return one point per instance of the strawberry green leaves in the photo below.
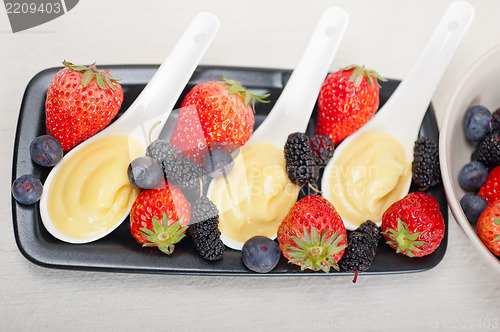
(236, 87)
(164, 236)
(102, 77)
(360, 71)
(405, 241)
(316, 252)
(496, 221)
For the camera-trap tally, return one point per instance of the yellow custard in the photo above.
(90, 192)
(257, 195)
(369, 175)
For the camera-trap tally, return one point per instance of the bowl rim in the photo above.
(453, 202)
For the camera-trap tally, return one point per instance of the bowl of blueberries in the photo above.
(469, 149)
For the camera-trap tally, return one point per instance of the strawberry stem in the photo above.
(355, 276)
(314, 189)
(157, 123)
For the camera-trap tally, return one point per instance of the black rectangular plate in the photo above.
(119, 252)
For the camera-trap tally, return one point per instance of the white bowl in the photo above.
(479, 86)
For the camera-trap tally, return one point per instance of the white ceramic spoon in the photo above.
(154, 104)
(293, 108)
(402, 114)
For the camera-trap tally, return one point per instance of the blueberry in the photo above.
(218, 162)
(473, 205)
(46, 150)
(260, 254)
(472, 176)
(477, 123)
(145, 173)
(27, 189)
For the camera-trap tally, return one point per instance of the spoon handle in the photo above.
(411, 99)
(293, 109)
(158, 98)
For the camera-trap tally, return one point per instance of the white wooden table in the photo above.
(461, 293)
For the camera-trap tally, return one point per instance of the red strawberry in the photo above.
(347, 100)
(160, 217)
(80, 102)
(413, 226)
(491, 188)
(223, 111)
(488, 227)
(313, 235)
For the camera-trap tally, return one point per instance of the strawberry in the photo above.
(347, 100)
(413, 226)
(224, 113)
(80, 102)
(160, 217)
(488, 227)
(312, 235)
(491, 188)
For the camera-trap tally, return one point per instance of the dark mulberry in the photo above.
(204, 229)
(361, 248)
(425, 166)
(495, 121)
(301, 166)
(178, 169)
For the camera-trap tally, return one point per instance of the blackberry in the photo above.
(300, 163)
(495, 121)
(488, 151)
(178, 169)
(425, 166)
(361, 248)
(322, 147)
(204, 229)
